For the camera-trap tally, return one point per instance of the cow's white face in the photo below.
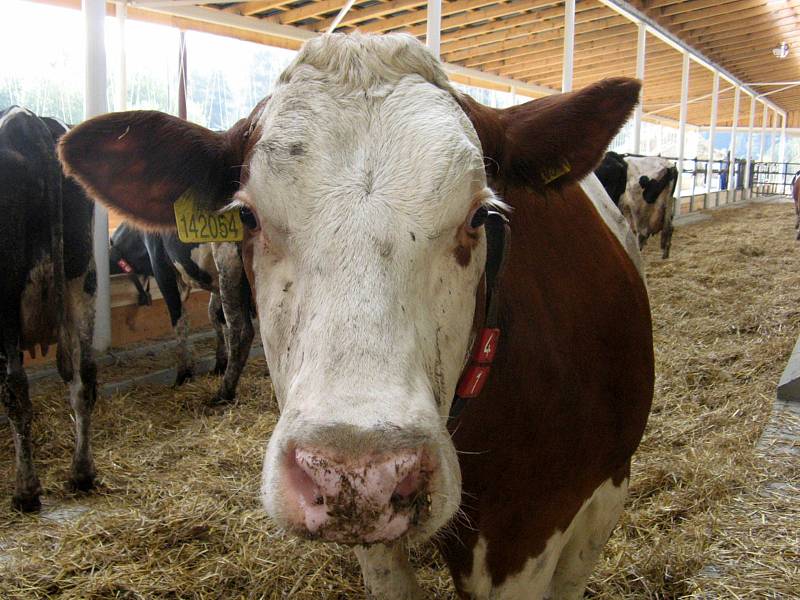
(366, 270)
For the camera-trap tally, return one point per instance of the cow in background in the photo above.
(128, 256)
(649, 200)
(179, 267)
(47, 289)
(613, 174)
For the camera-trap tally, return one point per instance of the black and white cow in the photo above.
(613, 174)
(650, 198)
(128, 255)
(47, 288)
(179, 267)
(643, 189)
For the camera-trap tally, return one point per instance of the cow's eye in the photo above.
(478, 217)
(249, 219)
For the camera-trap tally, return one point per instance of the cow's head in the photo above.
(365, 172)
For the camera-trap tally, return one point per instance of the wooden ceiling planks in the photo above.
(522, 40)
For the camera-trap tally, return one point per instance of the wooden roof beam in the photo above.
(509, 65)
(376, 11)
(253, 8)
(307, 11)
(536, 40)
(684, 6)
(469, 16)
(606, 27)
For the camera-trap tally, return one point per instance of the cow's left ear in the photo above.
(140, 162)
(554, 140)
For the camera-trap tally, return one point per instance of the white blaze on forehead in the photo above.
(395, 143)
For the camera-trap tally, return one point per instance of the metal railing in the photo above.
(698, 191)
(774, 177)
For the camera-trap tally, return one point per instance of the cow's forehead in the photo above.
(400, 139)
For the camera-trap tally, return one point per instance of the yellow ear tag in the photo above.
(551, 175)
(196, 226)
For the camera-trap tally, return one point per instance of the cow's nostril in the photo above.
(408, 485)
(302, 481)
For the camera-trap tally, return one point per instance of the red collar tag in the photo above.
(123, 264)
(477, 372)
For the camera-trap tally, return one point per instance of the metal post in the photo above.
(95, 103)
(338, 18)
(434, 31)
(641, 40)
(682, 127)
(712, 130)
(764, 117)
(750, 125)
(182, 76)
(732, 149)
(569, 45)
(783, 138)
(122, 84)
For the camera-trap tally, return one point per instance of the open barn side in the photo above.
(178, 515)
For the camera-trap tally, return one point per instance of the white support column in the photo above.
(750, 125)
(513, 95)
(712, 131)
(782, 157)
(732, 147)
(762, 145)
(434, 31)
(122, 84)
(641, 40)
(95, 103)
(774, 154)
(682, 128)
(569, 45)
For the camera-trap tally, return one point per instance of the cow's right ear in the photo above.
(139, 163)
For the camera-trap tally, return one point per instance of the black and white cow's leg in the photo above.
(183, 348)
(388, 575)
(17, 402)
(667, 228)
(175, 295)
(217, 317)
(235, 298)
(666, 240)
(588, 534)
(83, 384)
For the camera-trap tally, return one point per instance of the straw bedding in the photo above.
(177, 515)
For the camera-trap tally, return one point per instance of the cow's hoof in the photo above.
(82, 483)
(26, 504)
(222, 398)
(219, 367)
(183, 376)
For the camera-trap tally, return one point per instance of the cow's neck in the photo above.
(487, 336)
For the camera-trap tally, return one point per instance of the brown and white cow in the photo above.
(369, 173)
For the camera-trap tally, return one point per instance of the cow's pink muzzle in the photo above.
(356, 501)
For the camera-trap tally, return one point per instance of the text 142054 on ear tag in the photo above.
(196, 225)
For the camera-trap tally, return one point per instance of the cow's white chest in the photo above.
(561, 569)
